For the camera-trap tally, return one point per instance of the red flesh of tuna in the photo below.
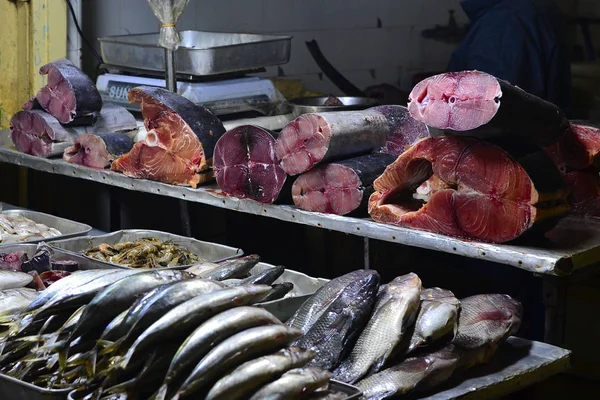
(245, 164)
(315, 138)
(459, 101)
(89, 150)
(584, 193)
(577, 148)
(474, 189)
(37, 133)
(170, 153)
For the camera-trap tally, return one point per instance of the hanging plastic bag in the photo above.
(168, 12)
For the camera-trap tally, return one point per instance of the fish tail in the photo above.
(110, 347)
(121, 388)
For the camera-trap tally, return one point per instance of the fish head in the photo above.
(438, 320)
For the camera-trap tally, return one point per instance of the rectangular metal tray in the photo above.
(304, 287)
(352, 391)
(200, 53)
(59, 255)
(67, 227)
(212, 252)
(15, 389)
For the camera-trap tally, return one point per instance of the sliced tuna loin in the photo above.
(339, 187)
(245, 164)
(98, 150)
(38, 133)
(584, 194)
(403, 129)
(32, 104)
(70, 94)
(315, 138)
(578, 148)
(471, 189)
(477, 104)
(180, 141)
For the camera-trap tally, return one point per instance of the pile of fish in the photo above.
(43, 268)
(15, 229)
(144, 253)
(67, 118)
(162, 334)
(399, 338)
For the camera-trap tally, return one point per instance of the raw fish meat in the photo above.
(98, 150)
(245, 164)
(577, 148)
(477, 104)
(584, 193)
(70, 95)
(180, 141)
(12, 261)
(38, 133)
(471, 189)
(339, 187)
(311, 139)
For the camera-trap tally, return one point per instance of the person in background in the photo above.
(521, 41)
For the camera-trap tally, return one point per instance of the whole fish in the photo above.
(203, 268)
(332, 334)
(113, 330)
(13, 301)
(119, 296)
(211, 333)
(155, 304)
(316, 304)
(486, 320)
(437, 318)
(395, 310)
(250, 376)
(278, 291)
(14, 279)
(72, 281)
(238, 268)
(79, 295)
(327, 395)
(232, 282)
(234, 351)
(266, 277)
(184, 318)
(423, 372)
(294, 384)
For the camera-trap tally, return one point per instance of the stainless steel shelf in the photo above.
(573, 245)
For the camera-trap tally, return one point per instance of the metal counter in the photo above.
(573, 245)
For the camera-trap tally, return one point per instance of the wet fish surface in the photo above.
(14, 279)
(294, 384)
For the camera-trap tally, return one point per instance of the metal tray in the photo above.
(59, 255)
(307, 105)
(212, 252)
(352, 391)
(200, 53)
(67, 227)
(304, 287)
(15, 389)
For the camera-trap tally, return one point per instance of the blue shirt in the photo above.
(521, 41)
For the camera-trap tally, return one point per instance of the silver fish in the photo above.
(74, 280)
(113, 329)
(234, 351)
(13, 301)
(395, 310)
(203, 268)
(155, 304)
(342, 322)
(278, 291)
(327, 395)
(119, 296)
(294, 384)
(316, 304)
(238, 268)
(232, 282)
(184, 318)
(250, 376)
(14, 279)
(421, 372)
(266, 277)
(212, 332)
(437, 318)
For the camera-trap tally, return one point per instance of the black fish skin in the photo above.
(207, 127)
(87, 98)
(335, 331)
(403, 129)
(116, 143)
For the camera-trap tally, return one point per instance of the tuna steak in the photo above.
(311, 139)
(474, 103)
(403, 129)
(180, 141)
(70, 94)
(245, 164)
(584, 193)
(577, 148)
(339, 187)
(98, 150)
(38, 133)
(470, 189)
